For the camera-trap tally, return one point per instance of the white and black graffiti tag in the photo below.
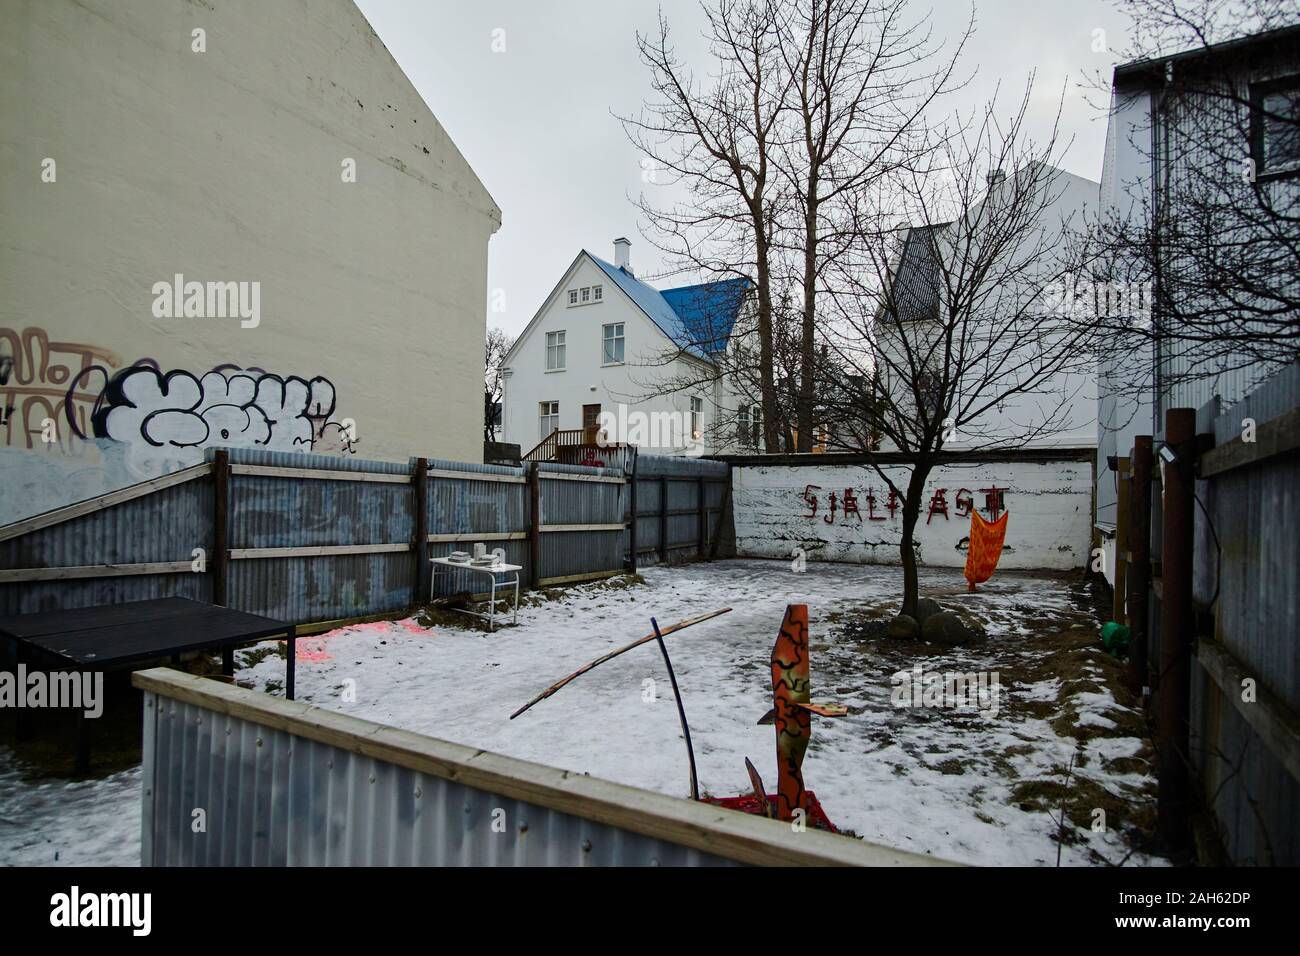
(176, 415)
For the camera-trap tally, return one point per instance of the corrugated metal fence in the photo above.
(306, 538)
(281, 783)
(1225, 685)
(682, 508)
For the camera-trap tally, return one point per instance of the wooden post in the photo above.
(1173, 690)
(1122, 519)
(663, 519)
(631, 528)
(724, 513)
(701, 519)
(420, 532)
(220, 527)
(1139, 566)
(534, 524)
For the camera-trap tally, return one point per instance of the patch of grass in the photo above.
(251, 658)
(1079, 797)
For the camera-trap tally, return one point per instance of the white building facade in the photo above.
(627, 362)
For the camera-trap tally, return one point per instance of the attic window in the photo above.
(586, 294)
(573, 297)
(1275, 126)
(596, 292)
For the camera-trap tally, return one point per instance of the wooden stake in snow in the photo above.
(680, 625)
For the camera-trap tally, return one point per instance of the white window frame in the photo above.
(573, 297)
(697, 418)
(606, 338)
(556, 351)
(547, 412)
(585, 295)
(597, 293)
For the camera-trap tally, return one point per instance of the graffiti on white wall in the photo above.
(174, 416)
(44, 380)
(846, 513)
(75, 421)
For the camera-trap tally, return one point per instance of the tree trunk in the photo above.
(805, 412)
(771, 433)
(911, 515)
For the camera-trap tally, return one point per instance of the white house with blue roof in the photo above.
(610, 359)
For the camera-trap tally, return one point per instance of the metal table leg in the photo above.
(290, 665)
(82, 762)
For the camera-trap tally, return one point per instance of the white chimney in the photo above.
(623, 255)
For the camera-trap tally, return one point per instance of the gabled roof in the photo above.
(697, 318)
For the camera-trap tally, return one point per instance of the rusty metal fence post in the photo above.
(1139, 566)
(1173, 694)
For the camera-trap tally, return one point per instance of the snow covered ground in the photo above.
(983, 789)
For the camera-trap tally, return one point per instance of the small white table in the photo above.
(491, 570)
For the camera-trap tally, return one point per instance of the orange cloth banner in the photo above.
(986, 539)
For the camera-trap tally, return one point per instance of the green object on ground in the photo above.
(1115, 637)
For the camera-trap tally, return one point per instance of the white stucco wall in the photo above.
(227, 165)
(585, 380)
(1050, 507)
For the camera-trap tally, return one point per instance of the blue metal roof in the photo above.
(698, 318)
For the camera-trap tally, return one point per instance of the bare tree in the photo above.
(946, 318)
(716, 142)
(864, 73)
(498, 344)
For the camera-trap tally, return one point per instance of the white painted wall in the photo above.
(226, 165)
(585, 380)
(1049, 527)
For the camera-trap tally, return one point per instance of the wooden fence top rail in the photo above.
(100, 502)
(475, 476)
(711, 829)
(323, 474)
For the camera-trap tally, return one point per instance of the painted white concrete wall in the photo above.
(587, 381)
(1049, 527)
(226, 165)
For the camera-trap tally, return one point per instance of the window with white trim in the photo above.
(548, 419)
(597, 291)
(697, 418)
(612, 344)
(555, 351)
(744, 436)
(573, 297)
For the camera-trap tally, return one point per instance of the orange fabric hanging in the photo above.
(986, 539)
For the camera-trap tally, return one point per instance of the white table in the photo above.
(491, 570)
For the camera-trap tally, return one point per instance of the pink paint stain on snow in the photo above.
(312, 649)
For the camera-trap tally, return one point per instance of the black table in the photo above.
(117, 635)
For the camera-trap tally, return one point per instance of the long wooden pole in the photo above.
(680, 625)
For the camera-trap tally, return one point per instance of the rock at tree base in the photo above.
(904, 628)
(945, 628)
(924, 608)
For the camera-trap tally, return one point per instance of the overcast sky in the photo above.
(537, 122)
